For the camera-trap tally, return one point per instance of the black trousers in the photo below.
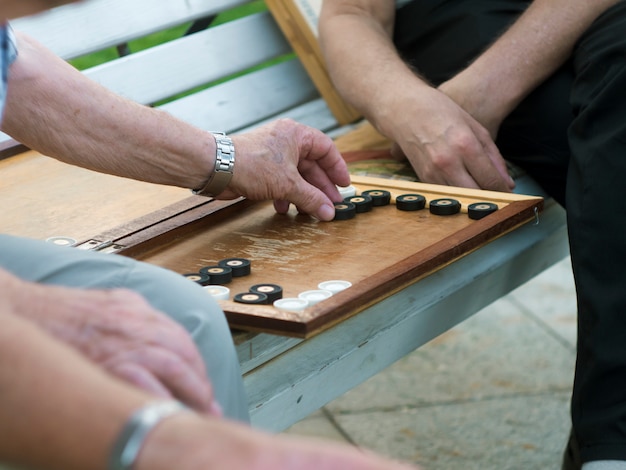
(570, 135)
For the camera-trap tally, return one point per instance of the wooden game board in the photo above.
(379, 252)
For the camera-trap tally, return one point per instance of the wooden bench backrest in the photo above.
(223, 60)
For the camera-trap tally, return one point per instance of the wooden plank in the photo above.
(45, 198)
(301, 33)
(81, 28)
(313, 113)
(247, 100)
(174, 67)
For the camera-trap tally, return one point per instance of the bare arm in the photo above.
(118, 330)
(446, 139)
(533, 48)
(355, 36)
(53, 108)
(58, 411)
(442, 141)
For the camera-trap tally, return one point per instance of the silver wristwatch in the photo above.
(224, 166)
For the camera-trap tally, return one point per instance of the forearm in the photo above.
(53, 108)
(57, 410)
(56, 110)
(356, 41)
(533, 48)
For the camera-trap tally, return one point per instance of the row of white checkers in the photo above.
(305, 299)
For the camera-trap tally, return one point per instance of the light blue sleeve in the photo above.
(8, 53)
(11, 45)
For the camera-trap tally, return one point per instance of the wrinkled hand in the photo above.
(289, 163)
(120, 331)
(446, 145)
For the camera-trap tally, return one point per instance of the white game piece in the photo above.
(218, 292)
(347, 191)
(334, 286)
(315, 296)
(291, 304)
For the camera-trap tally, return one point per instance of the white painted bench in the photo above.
(287, 378)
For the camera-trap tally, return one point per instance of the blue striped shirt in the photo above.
(8, 53)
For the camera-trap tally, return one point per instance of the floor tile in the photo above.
(525, 432)
(551, 298)
(317, 425)
(497, 352)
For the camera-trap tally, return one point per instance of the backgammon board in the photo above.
(378, 252)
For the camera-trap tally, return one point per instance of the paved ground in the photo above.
(493, 393)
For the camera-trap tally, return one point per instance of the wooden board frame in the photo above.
(298, 21)
(163, 230)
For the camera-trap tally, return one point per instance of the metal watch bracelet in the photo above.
(224, 166)
(132, 437)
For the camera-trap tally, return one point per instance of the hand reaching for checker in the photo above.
(121, 332)
(288, 162)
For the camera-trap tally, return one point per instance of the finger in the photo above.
(144, 325)
(445, 166)
(492, 172)
(311, 191)
(336, 169)
(322, 150)
(462, 162)
(169, 335)
(174, 374)
(281, 206)
(139, 377)
(487, 175)
(500, 164)
(312, 201)
(318, 177)
(462, 179)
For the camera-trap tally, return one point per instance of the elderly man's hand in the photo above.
(288, 163)
(121, 332)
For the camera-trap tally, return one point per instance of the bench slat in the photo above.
(163, 71)
(313, 113)
(180, 65)
(76, 29)
(245, 100)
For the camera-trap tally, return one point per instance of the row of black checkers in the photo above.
(367, 200)
(223, 273)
